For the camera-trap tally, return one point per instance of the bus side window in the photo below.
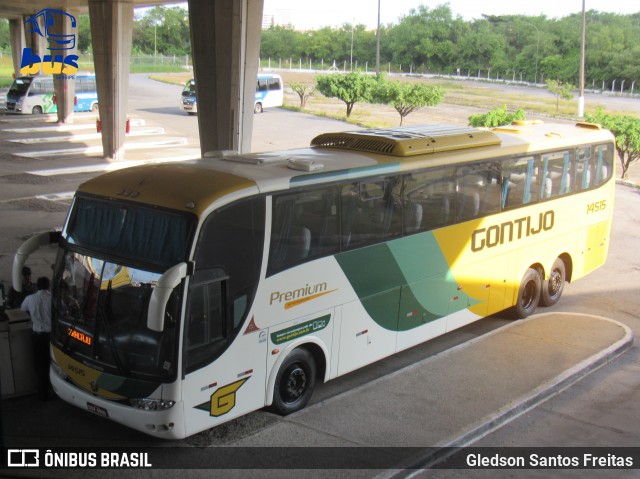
(36, 88)
(603, 163)
(274, 84)
(371, 212)
(556, 168)
(230, 244)
(305, 227)
(429, 200)
(520, 181)
(478, 191)
(583, 168)
(206, 325)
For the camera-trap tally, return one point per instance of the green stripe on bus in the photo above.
(404, 283)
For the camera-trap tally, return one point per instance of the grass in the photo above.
(172, 78)
(6, 71)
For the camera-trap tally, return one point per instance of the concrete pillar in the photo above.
(64, 83)
(18, 43)
(111, 30)
(225, 40)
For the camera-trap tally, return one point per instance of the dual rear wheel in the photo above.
(534, 290)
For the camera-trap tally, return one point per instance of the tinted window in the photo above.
(232, 240)
(371, 212)
(429, 199)
(520, 181)
(478, 190)
(305, 226)
(556, 174)
(228, 260)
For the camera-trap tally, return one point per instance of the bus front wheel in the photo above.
(553, 287)
(295, 382)
(37, 110)
(257, 108)
(528, 294)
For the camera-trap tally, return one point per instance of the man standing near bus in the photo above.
(38, 305)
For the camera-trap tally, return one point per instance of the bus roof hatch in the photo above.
(409, 140)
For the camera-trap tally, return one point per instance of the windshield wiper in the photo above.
(106, 316)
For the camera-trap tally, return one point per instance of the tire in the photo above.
(295, 382)
(257, 108)
(553, 287)
(95, 108)
(528, 294)
(37, 110)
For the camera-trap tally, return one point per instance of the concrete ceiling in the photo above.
(15, 9)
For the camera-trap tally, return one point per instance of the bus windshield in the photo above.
(112, 257)
(100, 315)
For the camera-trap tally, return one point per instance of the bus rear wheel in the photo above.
(552, 288)
(295, 382)
(528, 294)
(257, 108)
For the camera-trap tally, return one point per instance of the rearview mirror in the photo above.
(161, 293)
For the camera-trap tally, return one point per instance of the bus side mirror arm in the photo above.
(32, 244)
(162, 292)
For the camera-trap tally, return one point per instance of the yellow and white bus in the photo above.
(187, 295)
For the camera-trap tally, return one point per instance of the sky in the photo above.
(307, 15)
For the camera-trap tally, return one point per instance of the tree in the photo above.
(303, 91)
(406, 97)
(350, 88)
(626, 129)
(162, 30)
(84, 34)
(560, 89)
(497, 117)
(5, 41)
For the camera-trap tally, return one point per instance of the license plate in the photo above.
(100, 411)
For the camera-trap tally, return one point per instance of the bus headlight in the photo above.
(58, 370)
(150, 404)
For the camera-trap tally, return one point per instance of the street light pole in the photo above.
(582, 62)
(378, 42)
(535, 78)
(352, 44)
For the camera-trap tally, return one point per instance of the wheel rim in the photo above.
(555, 283)
(295, 385)
(529, 294)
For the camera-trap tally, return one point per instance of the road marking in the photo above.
(166, 142)
(74, 170)
(148, 131)
(62, 196)
(66, 127)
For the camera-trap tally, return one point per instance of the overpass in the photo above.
(225, 40)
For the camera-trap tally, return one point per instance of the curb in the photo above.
(518, 407)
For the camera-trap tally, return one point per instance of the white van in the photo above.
(35, 95)
(269, 93)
